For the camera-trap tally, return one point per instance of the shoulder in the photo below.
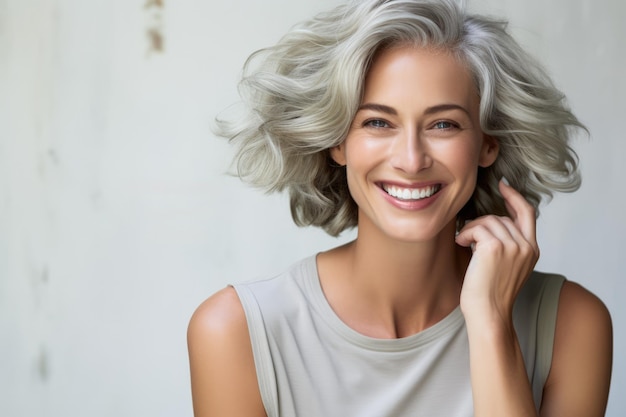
(220, 320)
(221, 359)
(583, 320)
(580, 305)
(218, 327)
(222, 314)
(578, 383)
(581, 315)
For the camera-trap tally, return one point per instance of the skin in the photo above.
(418, 128)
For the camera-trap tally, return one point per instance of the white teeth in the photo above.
(411, 193)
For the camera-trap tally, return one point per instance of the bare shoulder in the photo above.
(582, 315)
(577, 299)
(223, 376)
(579, 379)
(220, 313)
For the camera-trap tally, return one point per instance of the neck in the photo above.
(388, 288)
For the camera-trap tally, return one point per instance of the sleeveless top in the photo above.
(311, 364)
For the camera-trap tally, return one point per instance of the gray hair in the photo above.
(302, 94)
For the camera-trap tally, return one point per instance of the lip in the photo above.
(411, 204)
(410, 184)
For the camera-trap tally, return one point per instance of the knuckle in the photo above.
(494, 246)
(526, 250)
(506, 220)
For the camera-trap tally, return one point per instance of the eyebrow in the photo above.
(430, 110)
(379, 108)
(444, 107)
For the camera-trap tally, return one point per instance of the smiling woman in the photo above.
(417, 133)
(403, 118)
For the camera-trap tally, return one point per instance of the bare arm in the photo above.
(500, 384)
(579, 379)
(578, 383)
(223, 376)
(505, 251)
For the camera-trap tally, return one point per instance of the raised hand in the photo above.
(505, 251)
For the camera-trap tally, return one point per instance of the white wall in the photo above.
(116, 218)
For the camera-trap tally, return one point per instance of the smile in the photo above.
(411, 193)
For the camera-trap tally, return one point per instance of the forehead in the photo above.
(421, 76)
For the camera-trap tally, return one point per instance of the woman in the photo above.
(434, 134)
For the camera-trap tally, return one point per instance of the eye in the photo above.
(444, 125)
(376, 123)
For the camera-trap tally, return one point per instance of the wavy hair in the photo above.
(302, 94)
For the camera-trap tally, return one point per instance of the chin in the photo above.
(417, 232)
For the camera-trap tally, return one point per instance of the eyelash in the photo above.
(451, 125)
(381, 124)
(373, 122)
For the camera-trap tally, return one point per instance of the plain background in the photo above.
(117, 218)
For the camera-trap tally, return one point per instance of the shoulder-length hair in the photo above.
(302, 94)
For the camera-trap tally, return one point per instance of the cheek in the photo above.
(363, 148)
(462, 162)
(362, 153)
(356, 173)
(467, 159)
(457, 156)
(363, 158)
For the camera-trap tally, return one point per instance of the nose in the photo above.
(409, 152)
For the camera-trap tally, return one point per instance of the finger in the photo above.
(499, 236)
(520, 210)
(472, 235)
(501, 228)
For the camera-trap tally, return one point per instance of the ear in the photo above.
(338, 153)
(489, 151)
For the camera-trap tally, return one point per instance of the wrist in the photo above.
(489, 321)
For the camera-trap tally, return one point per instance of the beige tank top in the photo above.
(311, 364)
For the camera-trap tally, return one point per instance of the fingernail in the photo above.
(505, 181)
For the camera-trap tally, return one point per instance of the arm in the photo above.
(579, 379)
(505, 252)
(223, 376)
(500, 384)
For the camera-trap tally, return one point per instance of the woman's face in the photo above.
(415, 145)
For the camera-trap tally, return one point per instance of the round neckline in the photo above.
(453, 321)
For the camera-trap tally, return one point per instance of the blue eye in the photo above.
(376, 123)
(443, 125)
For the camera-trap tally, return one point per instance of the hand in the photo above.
(505, 252)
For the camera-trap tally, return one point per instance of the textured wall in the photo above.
(116, 218)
